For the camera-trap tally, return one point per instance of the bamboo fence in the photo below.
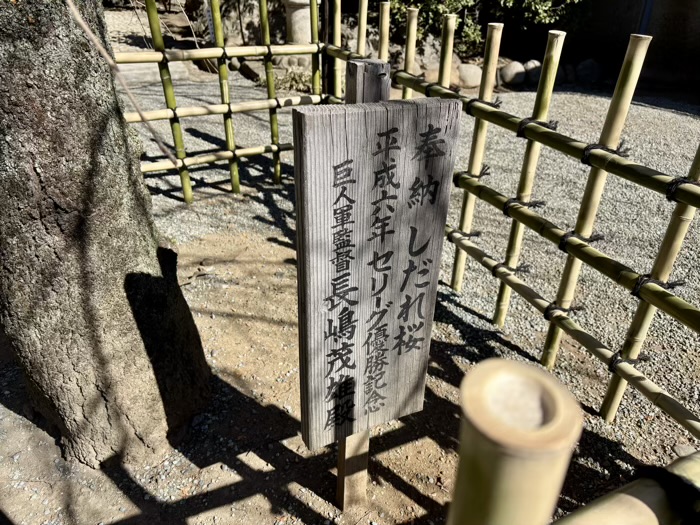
(602, 158)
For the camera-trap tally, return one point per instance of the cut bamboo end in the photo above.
(519, 424)
(520, 408)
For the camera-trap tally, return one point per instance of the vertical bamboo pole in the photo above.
(169, 93)
(362, 28)
(316, 57)
(446, 46)
(610, 138)
(225, 96)
(384, 24)
(476, 155)
(337, 66)
(550, 64)
(410, 50)
(663, 265)
(270, 81)
(518, 431)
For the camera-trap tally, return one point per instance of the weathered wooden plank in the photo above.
(373, 184)
(367, 81)
(353, 456)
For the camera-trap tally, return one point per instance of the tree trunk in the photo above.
(88, 300)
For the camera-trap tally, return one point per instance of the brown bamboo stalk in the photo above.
(337, 66)
(610, 138)
(623, 275)
(170, 102)
(550, 64)
(384, 24)
(410, 50)
(150, 167)
(476, 154)
(518, 431)
(642, 502)
(220, 109)
(173, 55)
(446, 46)
(663, 265)
(225, 96)
(362, 27)
(654, 393)
(270, 82)
(644, 176)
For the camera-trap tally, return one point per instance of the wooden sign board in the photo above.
(373, 184)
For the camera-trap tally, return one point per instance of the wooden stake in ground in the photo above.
(169, 93)
(476, 155)
(661, 271)
(366, 81)
(519, 428)
(540, 112)
(373, 186)
(316, 57)
(609, 138)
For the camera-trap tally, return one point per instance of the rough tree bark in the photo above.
(88, 300)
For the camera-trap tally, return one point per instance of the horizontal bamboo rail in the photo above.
(339, 52)
(612, 163)
(181, 55)
(654, 393)
(221, 109)
(623, 275)
(163, 165)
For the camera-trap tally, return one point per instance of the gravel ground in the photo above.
(632, 219)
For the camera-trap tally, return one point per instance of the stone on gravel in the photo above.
(588, 72)
(682, 450)
(469, 75)
(513, 73)
(533, 69)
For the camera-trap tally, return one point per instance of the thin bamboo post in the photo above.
(225, 97)
(410, 50)
(384, 24)
(316, 57)
(446, 46)
(622, 167)
(663, 265)
(337, 65)
(518, 431)
(644, 501)
(170, 102)
(476, 155)
(550, 64)
(270, 81)
(610, 138)
(654, 393)
(362, 27)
